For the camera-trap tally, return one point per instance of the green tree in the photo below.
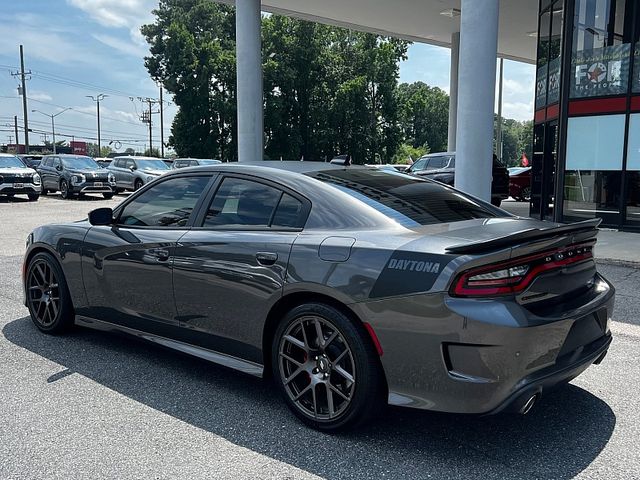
(192, 45)
(152, 152)
(424, 115)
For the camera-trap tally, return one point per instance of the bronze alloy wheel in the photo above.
(43, 293)
(48, 298)
(317, 368)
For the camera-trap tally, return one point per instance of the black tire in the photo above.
(138, 184)
(64, 190)
(107, 196)
(33, 197)
(348, 349)
(45, 278)
(44, 191)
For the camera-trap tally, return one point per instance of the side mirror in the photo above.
(132, 167)
(101, 216)
(59, 168)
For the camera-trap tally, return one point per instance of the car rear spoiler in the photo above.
(527, 235)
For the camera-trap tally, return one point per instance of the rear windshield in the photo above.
(408, 200)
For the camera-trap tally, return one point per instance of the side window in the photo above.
(129, 163)
(193, 163)
(289, 213)
(166, 204)
(240, 202)
(437, 162)
(419, 165)
(47, 162)
(56, 162)
(118, 163)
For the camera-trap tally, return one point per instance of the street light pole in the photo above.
(97, 99)
(53, 125)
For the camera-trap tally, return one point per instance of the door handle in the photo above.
(266, 258)
(160, 253)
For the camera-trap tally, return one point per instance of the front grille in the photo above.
(16, 178)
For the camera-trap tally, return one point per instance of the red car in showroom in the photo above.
(520, 183)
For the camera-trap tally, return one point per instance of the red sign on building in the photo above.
(78, 148)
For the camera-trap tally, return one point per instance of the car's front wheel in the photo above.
(64, 190)
(48, 298)
(138, 184)
(33, 197)
(327, 368)
(107, 196)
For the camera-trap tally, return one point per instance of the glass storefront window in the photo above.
(549, 48)
(633, 171)
(593, 175)
(600, 59)
(543, 60)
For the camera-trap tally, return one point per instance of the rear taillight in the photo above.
(514, 276)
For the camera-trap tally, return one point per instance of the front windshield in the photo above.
(80, 163)
(11, 162)
(152, 165)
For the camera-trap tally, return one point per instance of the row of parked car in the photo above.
(76, 175)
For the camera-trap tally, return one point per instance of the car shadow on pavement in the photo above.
(558, 439)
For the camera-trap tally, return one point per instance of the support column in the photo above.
(453, 91)
(249, 81)
(476, 96)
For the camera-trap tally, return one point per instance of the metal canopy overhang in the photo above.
(417, 20)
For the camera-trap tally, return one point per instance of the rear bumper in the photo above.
(481, 356)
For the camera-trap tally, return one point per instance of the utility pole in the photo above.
(97, 99)
(15, 128)
(146, 118)
(22, 74)
(161, 125)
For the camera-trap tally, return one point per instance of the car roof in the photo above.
(7, 155)
(138, 157)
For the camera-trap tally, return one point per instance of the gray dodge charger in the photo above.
(351, 287)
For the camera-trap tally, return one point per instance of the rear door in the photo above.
(230, 268)
(127, 267)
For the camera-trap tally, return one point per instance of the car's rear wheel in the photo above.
(138, 184)
(44, 191)
(48, 298)
(33, 197)
(327, 368)
(108, 196)
(64, 190)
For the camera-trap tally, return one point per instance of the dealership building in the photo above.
(586, 159)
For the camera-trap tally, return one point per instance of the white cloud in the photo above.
(39, 95)
(129, 48)
(520, 111)
(129, 14)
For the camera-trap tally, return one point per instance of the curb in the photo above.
(618, 263)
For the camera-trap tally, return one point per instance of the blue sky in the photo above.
(85, 47)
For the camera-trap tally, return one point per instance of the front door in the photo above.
(231, 269)
(127, 267)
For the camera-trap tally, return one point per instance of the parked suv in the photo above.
(75, 175)
(441, 167)
(17, 178)
(193, 162)
(133, 172)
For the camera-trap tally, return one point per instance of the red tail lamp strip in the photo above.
(537, 264)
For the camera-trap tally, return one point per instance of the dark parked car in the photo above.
(441, 167)
(520, 183)
(31, 161)
(18, 179)
(133, 172)
(193, 162)
(73, 175)
(350, 286)
(104, 162)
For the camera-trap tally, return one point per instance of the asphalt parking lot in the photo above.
(93, 405)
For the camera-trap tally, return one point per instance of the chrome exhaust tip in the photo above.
(528, 405)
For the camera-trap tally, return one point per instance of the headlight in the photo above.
(77, 179)
(112, 178)
(149, 178)
(36, 179)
